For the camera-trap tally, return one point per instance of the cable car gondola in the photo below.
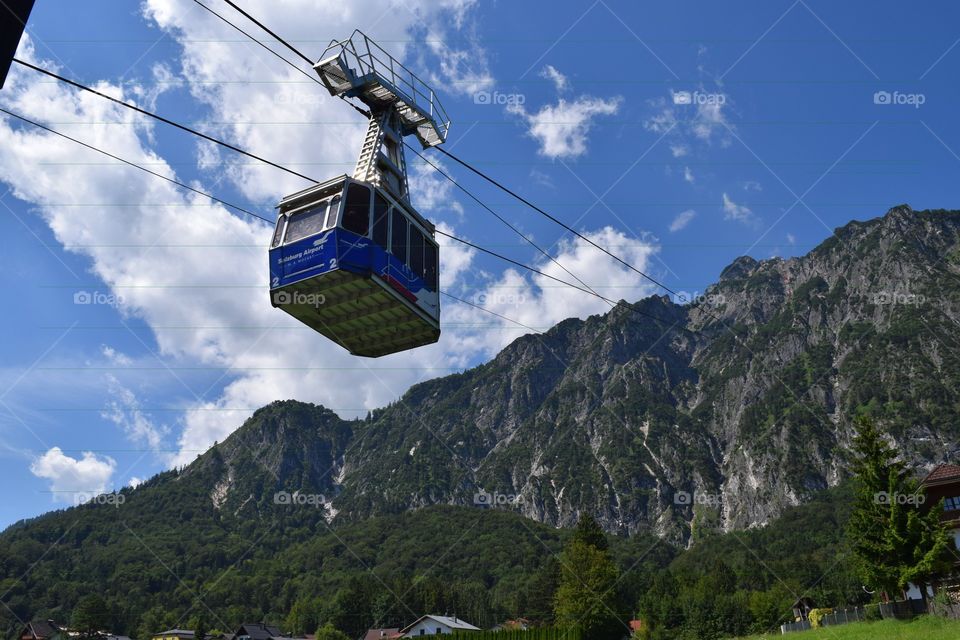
(351, 257)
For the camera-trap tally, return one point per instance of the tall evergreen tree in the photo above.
(893, 539)
(587, 596)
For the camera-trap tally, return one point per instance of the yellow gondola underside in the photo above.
(360, 313)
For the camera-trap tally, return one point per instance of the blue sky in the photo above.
(575, 106)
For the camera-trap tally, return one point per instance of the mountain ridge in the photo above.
(617, 414)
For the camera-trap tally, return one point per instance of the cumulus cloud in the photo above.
(539, 302)
(688, 175)
(682, 220)
(72, 477)
(259, 115)
(738, 212)
(563, 129)
(220, 288)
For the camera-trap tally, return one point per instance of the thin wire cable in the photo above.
(155, 116)
(613, 303)
(268, 30)
(585, 288)
(476, 306)
(219, 200)
(246, 153)
(458, 160)
(222, 18)
(498, 216)
(555, 219)
(137, 166)
(285, 60)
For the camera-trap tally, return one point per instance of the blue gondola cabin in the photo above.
(358, 265)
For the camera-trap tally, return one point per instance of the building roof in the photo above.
(42, 628)
(182, 633)
(377, 634)
(259, 631)
(942, 473)
(453, 623)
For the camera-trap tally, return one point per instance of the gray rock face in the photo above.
(712, 415)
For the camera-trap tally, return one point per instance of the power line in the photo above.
(268, 30)
(134, 107)
(133, 164)
(554, 219)
(257, 41)
(476, 306)
(585, 287)
(613, 303)
(83, 87)
(498, 216)
(223, 202)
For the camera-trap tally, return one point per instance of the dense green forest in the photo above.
(485, 565)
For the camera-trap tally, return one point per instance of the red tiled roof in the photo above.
(943, 473)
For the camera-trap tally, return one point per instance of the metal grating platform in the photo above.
(360, 68)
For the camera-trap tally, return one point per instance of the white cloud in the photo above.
(115, 357)
(559, 80)
(709, 122)
(125, 412)
(682, 220)
(688, 175)
(134, 482)
(463, 71)
(540, 302)
(220, 288)
(563, 129)
(430, 192)
(752, 185)
(217, 63)
(72, 477)
(791, 239)
(738, 212)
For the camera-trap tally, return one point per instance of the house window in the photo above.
(952, 504)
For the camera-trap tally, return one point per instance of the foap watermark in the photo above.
(901, 99)
(97, 298)
(94, 498)
(903, 499)
(500, 299)
(284, 298)
(904, 298)
(499, 99)
(687, 499)
(486, 499)
(298, 499)
(699, 98)
(712, 299)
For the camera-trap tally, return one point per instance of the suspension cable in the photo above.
(155, 116)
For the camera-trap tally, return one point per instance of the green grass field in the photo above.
(922, 628)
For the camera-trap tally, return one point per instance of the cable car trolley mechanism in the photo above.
(351, 257)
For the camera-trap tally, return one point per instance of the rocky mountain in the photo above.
(654, 417)
(664, 421)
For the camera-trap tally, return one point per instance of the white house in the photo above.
(436, 625)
